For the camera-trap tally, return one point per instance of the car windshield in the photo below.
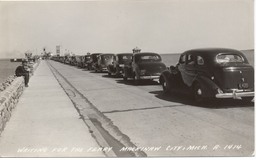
(125, 57)
(107, 57)
(149, 57)
(227, 58)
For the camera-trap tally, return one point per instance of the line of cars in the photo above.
(204, 73)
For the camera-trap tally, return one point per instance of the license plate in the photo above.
(243, 85)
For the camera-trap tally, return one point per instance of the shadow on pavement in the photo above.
(211, 103)
(141, 83)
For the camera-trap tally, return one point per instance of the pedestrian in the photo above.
(23, 70)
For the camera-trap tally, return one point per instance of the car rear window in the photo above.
(227, 58)
(126, 57)
(107, 57)
(150, 58)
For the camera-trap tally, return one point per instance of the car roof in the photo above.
(107, 54)
(212, 52)
(124, 54)
(145, 53)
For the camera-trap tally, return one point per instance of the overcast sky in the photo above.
(162, 26)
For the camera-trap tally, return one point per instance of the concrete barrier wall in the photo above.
(9, 97)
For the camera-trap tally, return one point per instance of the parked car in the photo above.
(103, 61)
(211, 73)
(144, 65)
(62, 59)
(119, 61)
(66, 59)
(87, 59)
(79, 60)
(93, 61)
(72, 60)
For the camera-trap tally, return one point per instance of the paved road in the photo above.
(159, 124)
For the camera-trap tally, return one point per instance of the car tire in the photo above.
(109, 73)
(198, 92)
(164, 85)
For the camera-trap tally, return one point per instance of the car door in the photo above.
(181, 67)
(190, 69)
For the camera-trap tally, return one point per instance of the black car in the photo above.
(119, 61)
(211, 73)
(144, 65)
(93, 61)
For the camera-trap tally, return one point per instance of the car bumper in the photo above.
(149, 77)
(235, 95)
(104, 69)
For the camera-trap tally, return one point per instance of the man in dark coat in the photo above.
(23, 70)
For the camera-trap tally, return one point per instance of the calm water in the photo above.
(7, 68)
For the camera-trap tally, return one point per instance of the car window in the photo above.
(190, 59)
(127, 57)
(200, 60)
(148, 57)
(227, 58)
(107, 57)
(182, 59)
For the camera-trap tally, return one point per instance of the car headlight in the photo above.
(121, 65)
(142, 72)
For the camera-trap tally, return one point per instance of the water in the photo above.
(7, 68)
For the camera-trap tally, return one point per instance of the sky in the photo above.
(118, 26)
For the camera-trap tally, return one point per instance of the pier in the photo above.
(72, 112)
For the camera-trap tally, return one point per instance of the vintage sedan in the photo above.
(93, 61)
(119, 61)
(144, 65)
(103, 61)
(211, 73)
(87, 59)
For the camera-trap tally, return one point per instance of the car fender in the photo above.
(209, 87)
(165, 75)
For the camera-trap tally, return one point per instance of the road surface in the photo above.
(153, 123)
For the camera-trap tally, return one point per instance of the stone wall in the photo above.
(9, 97)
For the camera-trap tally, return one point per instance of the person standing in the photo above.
(23, 70)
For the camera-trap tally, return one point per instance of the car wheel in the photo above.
(109, 73)
(247, 99)
(198, 93)
(165, 85)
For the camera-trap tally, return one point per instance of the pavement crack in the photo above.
(71, 93)
(150, 108)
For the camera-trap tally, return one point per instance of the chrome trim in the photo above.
(235, 95)
(149, 77)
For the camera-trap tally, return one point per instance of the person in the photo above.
(23, 70)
